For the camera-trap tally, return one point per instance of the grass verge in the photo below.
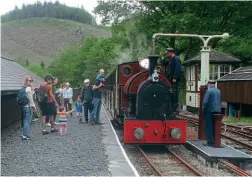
(247, 120)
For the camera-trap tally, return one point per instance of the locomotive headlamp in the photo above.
(176, 133)
(144, 63)
(139, 133)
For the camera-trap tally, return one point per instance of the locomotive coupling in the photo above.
(175, 133)
(139, 133)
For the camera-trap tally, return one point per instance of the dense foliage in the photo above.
(49, 9)
(201, 17)
(80, 62)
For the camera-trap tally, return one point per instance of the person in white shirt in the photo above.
(28, 109)
(68, 97)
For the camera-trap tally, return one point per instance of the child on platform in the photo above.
(78, 106)
(63, 115)
(100, 76)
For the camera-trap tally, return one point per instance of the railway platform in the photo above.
(210, 156)
(84, 151)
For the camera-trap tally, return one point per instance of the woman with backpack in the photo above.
(27, 108)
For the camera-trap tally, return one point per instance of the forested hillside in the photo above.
(40, 39)
(49, 10)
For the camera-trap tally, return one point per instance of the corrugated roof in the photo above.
(13, 74)
(243, 73)
(215, 57)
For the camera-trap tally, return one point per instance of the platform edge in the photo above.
(123, 151)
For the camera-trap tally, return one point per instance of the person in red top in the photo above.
(49, 108)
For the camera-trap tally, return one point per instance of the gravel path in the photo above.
(77, 153)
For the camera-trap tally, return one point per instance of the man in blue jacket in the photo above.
(211, 105)
(174, 74)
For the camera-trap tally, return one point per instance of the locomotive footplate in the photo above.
(155, 132)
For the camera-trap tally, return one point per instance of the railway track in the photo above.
(229, 134)
(168, 163)
(245, 131)
(234, 168)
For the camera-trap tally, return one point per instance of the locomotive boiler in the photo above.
(138, 96)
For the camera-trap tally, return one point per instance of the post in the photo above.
(201, 132)
(196, 77)
(204, 65)
(217, 130)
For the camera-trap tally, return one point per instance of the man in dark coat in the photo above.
(211, 105)
(174, 74)
(87, 98)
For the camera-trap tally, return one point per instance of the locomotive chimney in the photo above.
(152, 64)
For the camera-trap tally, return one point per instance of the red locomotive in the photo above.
(138, 95)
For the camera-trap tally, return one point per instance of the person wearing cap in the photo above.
(48, 108)
(87, 98)
(211, 105)
(68, 97)
(174, 73)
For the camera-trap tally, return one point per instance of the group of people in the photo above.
(58, 103)
(90, 99)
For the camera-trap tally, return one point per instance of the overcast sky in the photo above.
(89, 5)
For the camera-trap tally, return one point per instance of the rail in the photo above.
(176, 157)
(229, 166)
(234, 168)
(184, 163)
(248, 146)
(158, 173)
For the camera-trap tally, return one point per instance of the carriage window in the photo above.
(126, 71)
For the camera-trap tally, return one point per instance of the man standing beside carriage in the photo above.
(174, 74)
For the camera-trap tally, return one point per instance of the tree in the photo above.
(53, 10)
(200, 17)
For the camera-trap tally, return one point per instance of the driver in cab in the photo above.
(174, 72)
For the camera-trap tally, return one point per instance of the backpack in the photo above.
(41, 95)
(22, 99)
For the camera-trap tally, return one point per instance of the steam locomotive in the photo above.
(138, 96)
